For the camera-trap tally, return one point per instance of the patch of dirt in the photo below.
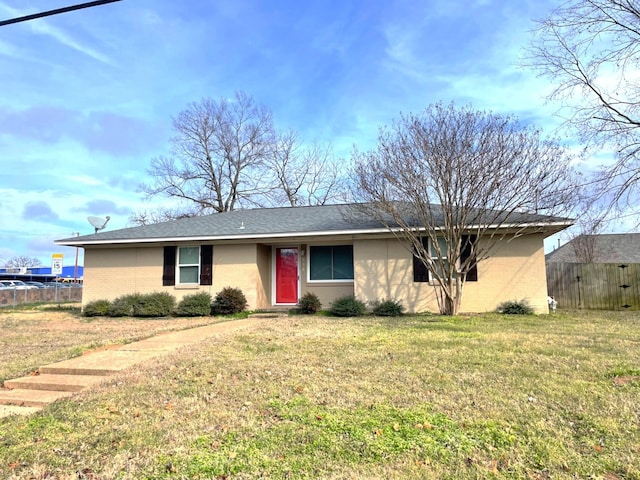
(626, 379)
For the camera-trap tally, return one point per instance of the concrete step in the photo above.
(54, 382)
(100, 363)
(271, 313)
(31, 398)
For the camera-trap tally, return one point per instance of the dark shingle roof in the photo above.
(262, 223)
(607, 248)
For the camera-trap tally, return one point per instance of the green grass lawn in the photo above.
(488, 396)
(35, 335)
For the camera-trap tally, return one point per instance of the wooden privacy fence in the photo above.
(597, 286)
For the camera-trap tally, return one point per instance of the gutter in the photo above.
(78, 242)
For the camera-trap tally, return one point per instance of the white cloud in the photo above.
(43, 28)
(84, 180)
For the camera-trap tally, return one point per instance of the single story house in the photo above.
(275, 255)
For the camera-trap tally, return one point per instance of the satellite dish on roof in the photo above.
(98, 222)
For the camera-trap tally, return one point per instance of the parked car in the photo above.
(18, 285)
(57, 285)
(35, 284)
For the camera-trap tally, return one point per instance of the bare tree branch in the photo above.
(20, 261)
(228, 154)
(305, 175)
(590, 49)
(461, 176)
(218, 151)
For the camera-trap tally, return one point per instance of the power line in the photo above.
(55, 12)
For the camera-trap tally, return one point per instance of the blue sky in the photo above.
(86, 97)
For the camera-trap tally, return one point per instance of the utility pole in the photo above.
(75, 268)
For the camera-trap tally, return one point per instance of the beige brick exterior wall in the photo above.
(515, 271)
(327, 293)
(382, 267)
(113, 272)
(264, 272)
(237, 266)
(384, 270)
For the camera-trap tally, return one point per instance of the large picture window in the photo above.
(189, 265)
(331, 263)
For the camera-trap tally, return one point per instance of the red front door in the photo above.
(287, 275)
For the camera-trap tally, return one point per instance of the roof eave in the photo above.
(552, 227)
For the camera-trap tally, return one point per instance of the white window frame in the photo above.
(343, 280)
(434, 256)
(179, 265)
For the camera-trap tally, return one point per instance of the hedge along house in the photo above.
(276, 255)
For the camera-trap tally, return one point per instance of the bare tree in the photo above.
(218, 154)
(305, 175)
(159, 215)
(20, 261)
(584, 246)
(591, 220)
(445, 183)
(228, 154)
(590, 48)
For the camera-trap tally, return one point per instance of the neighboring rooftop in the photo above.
(270, 222)
(604, 248)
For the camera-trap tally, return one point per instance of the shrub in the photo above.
(348, 306)
(97, 308)
(123, 306)
(388, 308)
(156, 304)
(309, 303)
(196, 305)
(515, 307)
(229, 300)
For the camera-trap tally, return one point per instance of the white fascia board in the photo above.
(257, 236)
(262, 236)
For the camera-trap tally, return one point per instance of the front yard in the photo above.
(484, 396)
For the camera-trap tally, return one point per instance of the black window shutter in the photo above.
(169, 266)
(420, 271)
(206, 265)
(467, 241)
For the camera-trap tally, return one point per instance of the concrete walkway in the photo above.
(26, 395)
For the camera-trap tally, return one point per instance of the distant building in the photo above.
(41, 274)
(68, 272)
(605, 248)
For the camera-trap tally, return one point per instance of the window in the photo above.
(188, 265)
(331, 263)
(420, 271)
(442, 250)
(192, 265)
(467, 252)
